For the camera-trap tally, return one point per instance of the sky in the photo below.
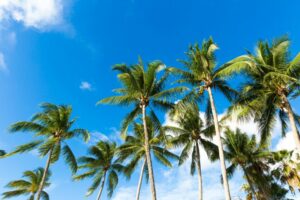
(62, 51)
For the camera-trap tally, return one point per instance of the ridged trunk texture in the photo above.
(140, 180)
(41, 186)
(200, 187)
(220, 145)
(292, 122)
(148, 156)
(101, 187)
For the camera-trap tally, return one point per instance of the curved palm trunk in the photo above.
(250, 183)
(220, 145)
(41, 186)
(148, 156)
(200, 187)
(101, 187)
(292, 122)
(140, 181)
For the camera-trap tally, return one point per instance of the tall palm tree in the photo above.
(253, 159)
(54, 126)
(273, 82)
(133, 150)
(143, 88)
(29, 185)
(202, 74)
(191, 133)
(101, 164)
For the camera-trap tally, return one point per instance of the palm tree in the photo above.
(54, 125)
(253, 159)
(133, 150)
(101, 165)
(287, 168)
(29, 185)
(203, 75)
(143, 89)
(273, 82)
(190, 133)
(244, 152)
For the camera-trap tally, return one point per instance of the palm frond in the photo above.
(70, 158)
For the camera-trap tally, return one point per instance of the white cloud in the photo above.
(3, 66)
(96, 136)
(39, 14)
(177, 183)
(85, 86)
(286, 143)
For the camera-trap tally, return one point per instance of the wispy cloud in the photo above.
(112, 135)
(3, 66)
(84, 85)
(38, 14)
(96, 136)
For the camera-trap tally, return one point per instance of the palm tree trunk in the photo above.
(41, 186)
(148, 156)
(101, 187)
(292, 122)
(199, 172)
(140, 180)
(250, 183)
(220, 145)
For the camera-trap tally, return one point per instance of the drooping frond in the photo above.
(25, 147)
(70, 158)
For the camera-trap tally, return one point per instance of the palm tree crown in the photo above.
(134, 146)
(133, 150)
(29, 185)
(142, 86)
(189, 132)
(54, 125)
(287, 168)
(202, 71)
(273, 80)
(101, 163)
(253, 159)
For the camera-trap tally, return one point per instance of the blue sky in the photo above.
(62, 52)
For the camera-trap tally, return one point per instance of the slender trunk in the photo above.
(200, 187)
(292, 122)
(101, 187)
(250, 184)
(148, 156)
(41, 186)
(220, 145)
(140, 180)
